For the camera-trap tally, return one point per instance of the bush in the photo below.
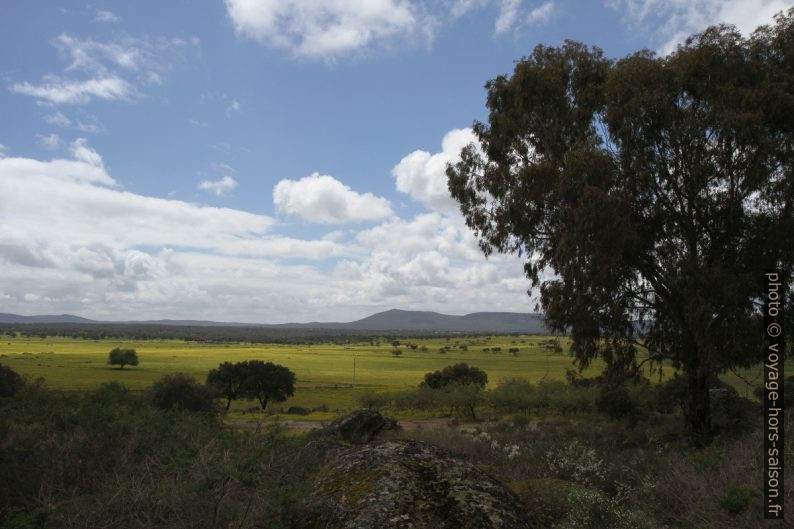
(10, 381)
(616, 403)
(179, 391)
(591, 509)
(515, 394)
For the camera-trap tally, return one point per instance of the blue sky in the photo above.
(269, 161)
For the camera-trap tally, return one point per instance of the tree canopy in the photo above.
(120, 356)
(227, 379)
(647, 189)
(460, 374)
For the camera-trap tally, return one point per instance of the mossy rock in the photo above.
(405, 484)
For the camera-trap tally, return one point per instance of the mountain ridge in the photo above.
(389, 320)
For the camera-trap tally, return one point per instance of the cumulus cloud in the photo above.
(323, 29)
(324, 199)
(423, 177)
(219, 187)
(72, 240)
(675, 20)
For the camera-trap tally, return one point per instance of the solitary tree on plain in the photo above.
(657, 189)
(266, 382)
(121, 357)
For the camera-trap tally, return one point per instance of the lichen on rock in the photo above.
(411, 485)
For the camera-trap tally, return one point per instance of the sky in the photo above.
(270, 161)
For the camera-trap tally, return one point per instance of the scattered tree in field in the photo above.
(180, 391)
(658, 189)
(227, 379)
(396, 351)
(121, 357)
(460, 373)
(396, 343)
(513, 351)
(10, 381)
(266, 382)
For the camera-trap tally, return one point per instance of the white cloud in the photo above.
(71, 240)
(541, 14)
(105, 70)
(508, 14)
(423, 177)
(326, 200)
(675, 20)
(318, 28)
(219, 187)
(58, 118)
(56, 90)
(3, 150)
(51, 141)
(106, 16)
(234, 106)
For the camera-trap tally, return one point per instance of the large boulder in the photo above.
(404, 484)
(360, 426)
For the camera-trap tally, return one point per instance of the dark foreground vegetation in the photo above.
(577, 455)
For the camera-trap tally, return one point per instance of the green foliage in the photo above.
(121, 356)
(110, 459)
(10, 381)
(227, 379)
(617, 404)
(182, 392)
(266, 381)
(624, 178)
(519, 395)
(461, 374)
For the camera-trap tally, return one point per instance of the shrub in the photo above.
(10, 381)
(591, 509)
(515, 394)
(179, 391)
(615, 403)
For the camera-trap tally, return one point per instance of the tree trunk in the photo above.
(697, 413)
(228, 403)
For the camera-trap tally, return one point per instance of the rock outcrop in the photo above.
(403, 484)
(359, 427)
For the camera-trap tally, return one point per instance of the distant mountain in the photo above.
(390, 320)
(62, 318)
(409, 320)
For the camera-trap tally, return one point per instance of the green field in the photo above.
(324, 371)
